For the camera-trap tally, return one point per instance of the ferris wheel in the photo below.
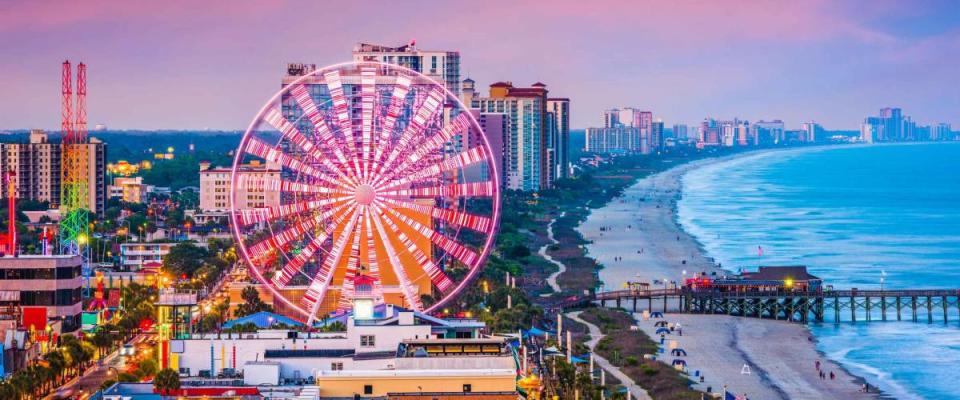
(364, 184)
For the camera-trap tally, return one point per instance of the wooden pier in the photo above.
(822, 306)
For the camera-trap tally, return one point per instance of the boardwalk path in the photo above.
(595, 336)
(552, 279)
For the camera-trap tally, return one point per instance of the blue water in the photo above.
(853, 215)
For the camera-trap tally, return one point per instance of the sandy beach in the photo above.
(637, 238)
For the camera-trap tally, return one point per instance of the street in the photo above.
(89, 383)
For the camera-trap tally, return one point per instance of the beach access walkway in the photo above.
(552, 279)
(595, 335)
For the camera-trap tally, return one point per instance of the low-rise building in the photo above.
(391, 353)
(129, 189)
(46, 288)
(137, 255)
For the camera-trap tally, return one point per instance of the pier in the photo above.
(917, 305)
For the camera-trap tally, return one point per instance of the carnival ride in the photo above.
(388, 192)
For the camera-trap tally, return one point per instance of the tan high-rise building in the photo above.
(38, 168)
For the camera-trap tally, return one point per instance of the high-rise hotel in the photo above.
(37, 165)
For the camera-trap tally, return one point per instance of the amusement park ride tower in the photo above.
(73, 181)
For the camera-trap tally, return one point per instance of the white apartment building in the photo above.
(136, 255)
(216, 188)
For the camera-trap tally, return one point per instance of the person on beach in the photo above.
(817, 364)
(832, 376)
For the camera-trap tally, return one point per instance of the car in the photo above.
(127, 350)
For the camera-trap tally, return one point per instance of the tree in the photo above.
(184, 258)
(167, 380)
(147, 367)
(252, 303)
(57, 362)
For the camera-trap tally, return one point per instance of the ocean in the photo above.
(855, 215)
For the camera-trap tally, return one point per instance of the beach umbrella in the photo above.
(678, 352)
(679, 362)
(660, 323)
(662, 330)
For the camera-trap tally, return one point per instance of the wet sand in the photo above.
(637, 239)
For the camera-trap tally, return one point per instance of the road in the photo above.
(89, 383)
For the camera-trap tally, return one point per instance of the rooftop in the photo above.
(796, 272)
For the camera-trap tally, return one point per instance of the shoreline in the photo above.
(642, 228)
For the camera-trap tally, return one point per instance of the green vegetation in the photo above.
(625, 348)
(251, 303)
(166, 381)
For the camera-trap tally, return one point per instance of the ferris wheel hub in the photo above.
(365, 194)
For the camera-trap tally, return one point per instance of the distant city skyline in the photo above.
(211, 65)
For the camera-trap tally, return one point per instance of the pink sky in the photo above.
(211, 64)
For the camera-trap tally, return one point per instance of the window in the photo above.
(367, 341)
(367, 389)
(467, 388)
(337, 366)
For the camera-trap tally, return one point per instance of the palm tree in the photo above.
(58, 363)
(166, 381)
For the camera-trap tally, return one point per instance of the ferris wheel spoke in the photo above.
(457, 190)
(462, 160)
(367, 99)
(421, 119)
(263, 150)
(273, 183)
(437, 276)
(336, 217)
(372, 264)
(291, 133)
(427, 145)
(341, 108)
(397, 101)
(406, 286)
(348, 287)
(308, 188)
(477, 223)
(321, 281)
(324, 136)
(297, 231)
(456, 249)
(257, 215)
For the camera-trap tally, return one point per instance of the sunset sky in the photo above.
(211, 64)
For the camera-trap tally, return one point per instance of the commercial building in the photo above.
(525, 158)
(767, 132)
(37, 165)
(392, 352)
(656, 136)
(941, 131)
(135, 256)
(442, 66)
(216, 188)
(44, 287)
(681, 132)
(812, 132)
(621, 139)
(625, 129)
(129, 189)
(558, 109)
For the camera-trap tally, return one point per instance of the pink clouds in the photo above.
(209, 64)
